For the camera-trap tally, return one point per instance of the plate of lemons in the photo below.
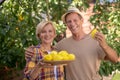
(58, 58)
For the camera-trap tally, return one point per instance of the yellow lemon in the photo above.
(20, 17)
(57, 57)
(63, 53)
(47, 57)
(65, 57)
(31, 64)
(52, 53)
(71, 57)
(93, 32)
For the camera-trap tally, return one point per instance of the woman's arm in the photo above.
(35, 72)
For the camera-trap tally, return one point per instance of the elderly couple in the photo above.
(88, 51)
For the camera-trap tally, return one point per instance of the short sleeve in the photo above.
(101, 53)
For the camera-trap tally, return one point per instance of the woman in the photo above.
(35, 69)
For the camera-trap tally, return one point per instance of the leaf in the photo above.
(116, 76)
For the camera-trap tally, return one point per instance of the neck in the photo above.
(79, 36)
(46, 47)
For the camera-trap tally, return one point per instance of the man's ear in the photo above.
(82, 20)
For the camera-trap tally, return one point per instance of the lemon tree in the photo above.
(18, 19)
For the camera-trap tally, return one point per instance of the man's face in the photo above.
(74, 22)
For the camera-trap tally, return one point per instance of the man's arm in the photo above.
(110, 53)
(119, 59)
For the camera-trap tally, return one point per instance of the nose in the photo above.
(47, 33)
(72, 23)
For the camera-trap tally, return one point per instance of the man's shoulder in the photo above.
(65, 39)
(62, 42)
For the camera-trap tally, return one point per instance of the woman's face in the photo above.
(47, 34)
(74, 23)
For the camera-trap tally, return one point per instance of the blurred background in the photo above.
(18, 19)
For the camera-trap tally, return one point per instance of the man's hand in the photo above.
(101, 39)
(29, 52)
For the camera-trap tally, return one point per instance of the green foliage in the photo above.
(60, 27)
(106, 19)
(18, 19)
(16, 31)
(116, 76)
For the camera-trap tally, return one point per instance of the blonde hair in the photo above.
(41, 25)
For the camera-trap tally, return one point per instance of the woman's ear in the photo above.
(38, 36)
(55, 35)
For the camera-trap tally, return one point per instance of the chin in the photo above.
(75, 32)
(48, 42)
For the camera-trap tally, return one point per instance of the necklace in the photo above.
(46, 50)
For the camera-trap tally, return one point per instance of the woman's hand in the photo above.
(42, 64)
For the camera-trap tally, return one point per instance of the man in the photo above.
(88, 51)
